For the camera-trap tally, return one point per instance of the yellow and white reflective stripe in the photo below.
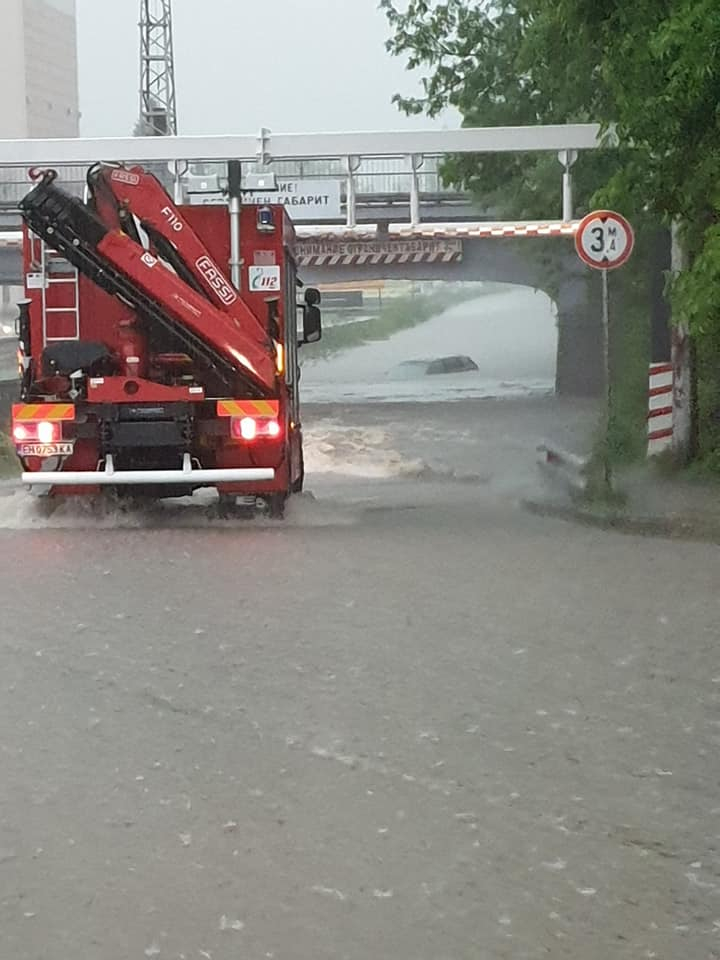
(248, 408)
(25, 412)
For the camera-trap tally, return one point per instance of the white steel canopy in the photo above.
(266, 147)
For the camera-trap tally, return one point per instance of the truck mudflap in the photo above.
(108, 476)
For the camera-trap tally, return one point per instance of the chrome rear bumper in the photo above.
(110, 477)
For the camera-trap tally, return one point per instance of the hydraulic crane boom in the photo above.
(122, 195)
(238, 350)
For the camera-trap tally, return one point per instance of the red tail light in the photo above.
(48, 432)
(44, 431)
(254, 428)
(248, 428)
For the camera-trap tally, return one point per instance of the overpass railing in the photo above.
(379, 184)
(408, 160)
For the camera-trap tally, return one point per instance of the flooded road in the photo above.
(509, 332)
(412, 721)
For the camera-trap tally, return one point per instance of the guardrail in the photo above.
(566, 469)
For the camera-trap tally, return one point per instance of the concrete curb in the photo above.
(569, 472)
(696, 529)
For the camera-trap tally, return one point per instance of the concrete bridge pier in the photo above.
(580, 370)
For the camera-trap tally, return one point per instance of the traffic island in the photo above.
(643, 501)
(621, 521)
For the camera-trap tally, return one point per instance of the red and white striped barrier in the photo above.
(323, 254)
(436, 231)
(488, 230)
(322, 246)
(660, 408)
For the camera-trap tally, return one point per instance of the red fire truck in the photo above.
(159, 343)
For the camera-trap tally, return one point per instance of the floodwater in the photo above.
(410, 722)
(509, 333)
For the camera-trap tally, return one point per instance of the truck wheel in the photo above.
(229, 507)
(46, 505)
(297, 487)
(276, 505)
(226, 505)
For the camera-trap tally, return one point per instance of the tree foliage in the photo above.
(502, 63)
(650, 67)
(647, 69)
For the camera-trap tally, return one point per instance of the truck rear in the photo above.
(158, 344)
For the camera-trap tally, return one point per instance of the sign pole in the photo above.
(607, 465)
(604, 241)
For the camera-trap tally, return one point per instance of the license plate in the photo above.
(45, 449)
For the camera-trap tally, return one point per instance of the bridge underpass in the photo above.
(550, 265)
(544, 259)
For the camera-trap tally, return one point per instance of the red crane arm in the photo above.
(138, 193)
(122, 267)
(191, 309)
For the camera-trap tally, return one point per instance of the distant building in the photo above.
(38, 69)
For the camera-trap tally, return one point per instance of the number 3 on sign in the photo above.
(604, 240)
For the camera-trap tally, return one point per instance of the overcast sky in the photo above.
(289, 65)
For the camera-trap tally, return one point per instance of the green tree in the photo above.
(660, 64)
(650, 68)
(501, 63)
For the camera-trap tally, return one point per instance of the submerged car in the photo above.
(409, 369)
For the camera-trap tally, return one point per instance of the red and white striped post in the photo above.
(660, 408)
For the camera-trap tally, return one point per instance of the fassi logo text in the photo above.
(225, 293)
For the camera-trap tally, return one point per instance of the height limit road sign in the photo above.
(604, 240)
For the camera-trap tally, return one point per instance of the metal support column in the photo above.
(178, 169)
(264, 155)
(416, 162)
(235, 193)
(352, 165)
(567, 158)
